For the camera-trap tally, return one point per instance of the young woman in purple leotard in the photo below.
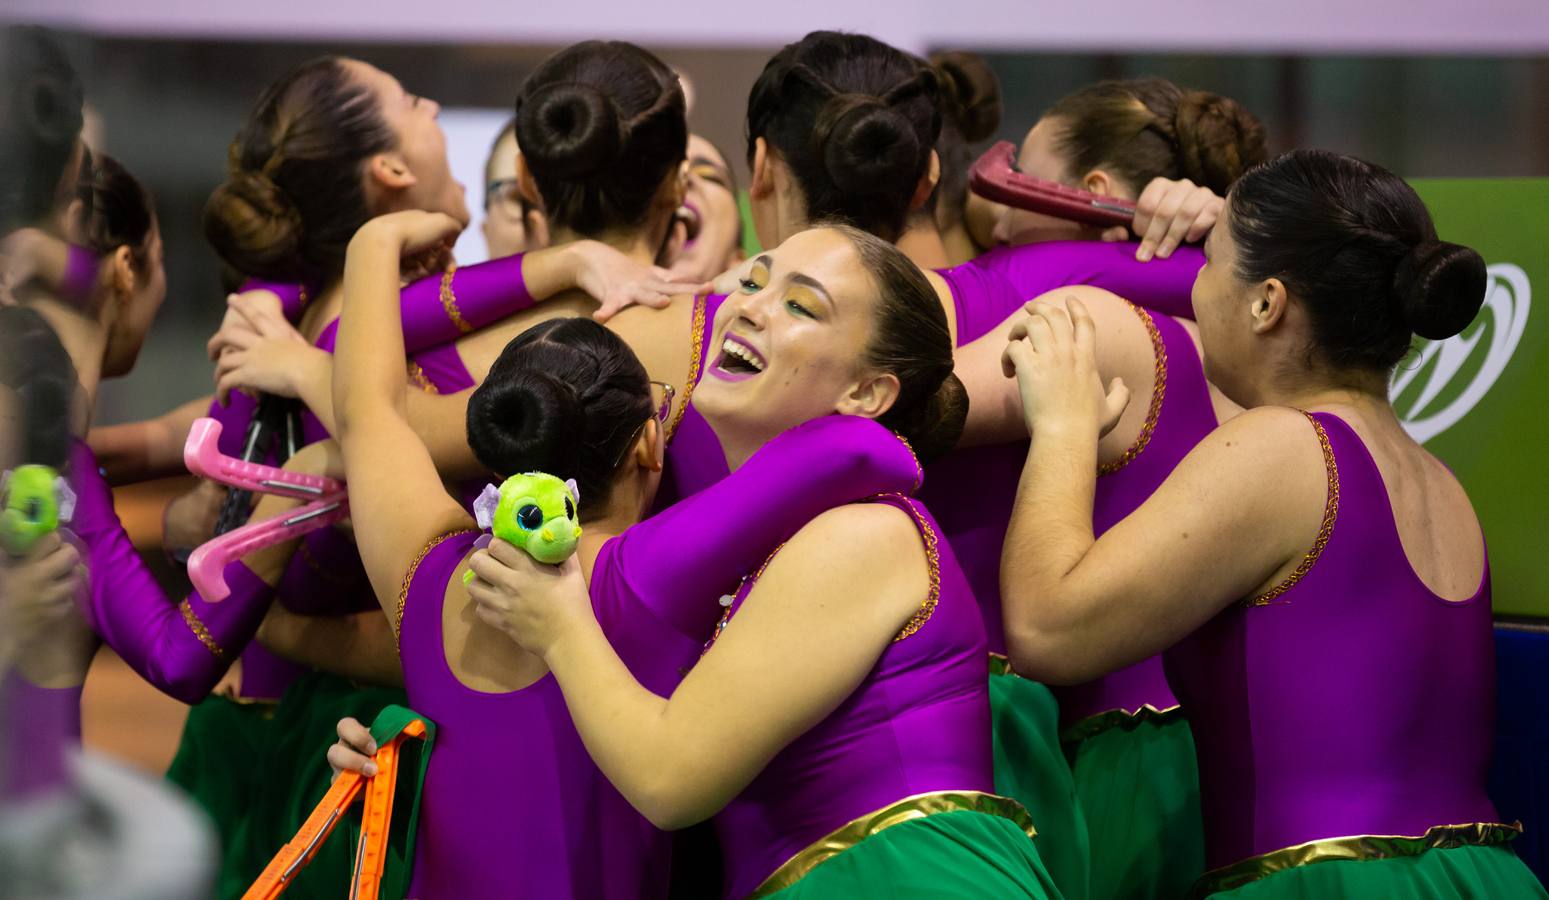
(1306, 546)
(566, 396)
(839, 735)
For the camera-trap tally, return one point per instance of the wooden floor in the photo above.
(124, 716)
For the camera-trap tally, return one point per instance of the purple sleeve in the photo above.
(981, 297)
(293, 296)
(40, 725)
(441, 308)
(1163, 285)
(80, 276)
(182, 649)
(679, 561)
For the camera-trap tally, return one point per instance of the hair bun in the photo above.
(868, 148)
(570, 130)
(970, 93)
(1218, 139)
(935, 426)
(1439, 288)
(528, 415)
(255, 227)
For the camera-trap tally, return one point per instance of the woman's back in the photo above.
(1297, 741)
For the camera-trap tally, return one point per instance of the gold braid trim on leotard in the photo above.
(906, 810)
(1356, 847)
(696, 337)
(191, 619)
(1330, 513)
(1158, 392)
(408, 579)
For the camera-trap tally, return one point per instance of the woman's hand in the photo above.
(618, 282)
(354, 751)
(1052, 355)
(41, 629)
(535, 604)
(1169, 213)
(240, 309)
(260, 351)
(189, 520)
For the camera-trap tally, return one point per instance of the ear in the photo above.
(1269, 305)
(870, 397)
(537, 229)
(74, 222)
(390, 172)
(651, 449)
(762, 183)
(525, 182)
(122, 273)
(682, 193)
(1100, 183)
(927, 184)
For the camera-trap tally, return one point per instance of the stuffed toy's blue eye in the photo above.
(569, 509)
(529, 517)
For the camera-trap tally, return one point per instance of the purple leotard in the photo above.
(918, 724)
(1180, 416)
(1353, 701)
(696, 459)
(654, 591)
(182, 649)
(37, 726)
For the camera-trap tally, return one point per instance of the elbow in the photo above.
(1046, 656)
(671, 803)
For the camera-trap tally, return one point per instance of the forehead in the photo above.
(378, 81)
(502, 157)
(703, 149)
(826, 256)
(1038, 157)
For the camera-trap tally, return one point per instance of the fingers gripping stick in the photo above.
(202, 455)
(371, 852)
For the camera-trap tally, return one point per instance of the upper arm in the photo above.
(1124, 350)
(441, 422)
(397, 501)
(824, 610)
(1182, 556)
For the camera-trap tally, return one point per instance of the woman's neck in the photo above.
(639, 244)
(1365, 391)
(85, 340)
(597, 532)
(323, 308)
(922, 243)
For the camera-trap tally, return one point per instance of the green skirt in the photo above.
(1031, 768)
(948, 854)
(259, 769)
(1138, 785)
(1470, 871)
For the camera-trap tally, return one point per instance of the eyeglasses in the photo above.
(662, 394)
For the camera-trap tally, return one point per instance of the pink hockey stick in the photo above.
(207, 564)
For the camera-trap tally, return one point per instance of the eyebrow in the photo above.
(805, 281)
(722, 174)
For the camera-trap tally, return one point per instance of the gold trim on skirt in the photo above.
(1356, 847)
(906, 810)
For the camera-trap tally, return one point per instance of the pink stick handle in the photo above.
(203, 457)
(207, 564)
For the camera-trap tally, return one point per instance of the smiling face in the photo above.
(789, 345)
(421, 146)
(709, 219)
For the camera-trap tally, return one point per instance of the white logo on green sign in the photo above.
(1446, 379)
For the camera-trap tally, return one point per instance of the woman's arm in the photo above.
(140, 451)
(397, 501)
(358, 646)
(1123, 350)
(1234, 516)
(180, 648)
(821, 615)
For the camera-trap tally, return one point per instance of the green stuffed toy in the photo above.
(35, 501)
(534, 511)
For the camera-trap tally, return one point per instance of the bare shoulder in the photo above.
(863, 550)
(650, 324)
